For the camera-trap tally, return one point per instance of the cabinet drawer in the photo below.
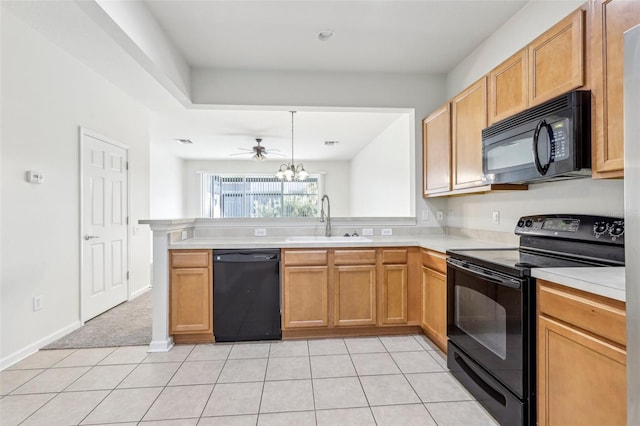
(434, 260)
(598, 315)
(394, 256)
(190, 259)
(354, 257)
(305, 257)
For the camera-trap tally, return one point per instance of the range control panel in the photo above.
(573, 226)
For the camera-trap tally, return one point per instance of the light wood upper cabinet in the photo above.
(191, 294)
(469, 117)
(608, 21)
(581, 358)
(436, 151)
(508, 87)
(556, 59)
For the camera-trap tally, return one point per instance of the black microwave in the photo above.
(550, 141)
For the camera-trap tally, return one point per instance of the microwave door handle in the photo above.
(513, 283)
(542, 169)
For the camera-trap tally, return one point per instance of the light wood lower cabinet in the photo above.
(355, 295)
(349, 289)
(191, 295)
(305, 296)
(581, 358)
(434, 297)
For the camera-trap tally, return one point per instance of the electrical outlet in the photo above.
(260, 232)
(425, 214)
(386, 232)
(37, 303)
(184, 235)
(367, 231)
(496, 217)
(440, 215)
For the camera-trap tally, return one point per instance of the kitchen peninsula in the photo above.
(425, 265)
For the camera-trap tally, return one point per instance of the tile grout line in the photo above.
(313, 393)
(110, 391)
(166, 385)
(360, 381)
(216, 382)
(62, 391)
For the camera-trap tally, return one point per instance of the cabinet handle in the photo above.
(91, 237)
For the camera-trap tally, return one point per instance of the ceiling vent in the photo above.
(331, 143)
(184, 141)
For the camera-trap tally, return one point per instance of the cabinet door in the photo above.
(394, 294)
(305, 294)
(609, 20)
(434, 306)
(508, 87)
(556, 59)
(355, 295)
(581, 379)
(191, 301)
(469, 117)
(436, 152)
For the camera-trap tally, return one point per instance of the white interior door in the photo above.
(104, 224)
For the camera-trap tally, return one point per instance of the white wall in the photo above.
(46, 95)
(166, 184)
(585, 196)
(380, 178)
(420, 92)
(336, 180)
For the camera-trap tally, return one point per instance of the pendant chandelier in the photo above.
(292, 171)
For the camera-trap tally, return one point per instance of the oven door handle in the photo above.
(477, 270)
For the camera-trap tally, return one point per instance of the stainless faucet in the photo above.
(327, 228)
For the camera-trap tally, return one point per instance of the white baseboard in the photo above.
(161, 345)
(21, 354)
(140, 292)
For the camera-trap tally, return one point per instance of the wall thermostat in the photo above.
(35, 177)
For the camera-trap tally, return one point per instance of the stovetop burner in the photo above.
(546, 241)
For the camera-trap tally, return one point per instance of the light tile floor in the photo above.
(399, 380)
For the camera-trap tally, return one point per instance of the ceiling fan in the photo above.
(259, 152)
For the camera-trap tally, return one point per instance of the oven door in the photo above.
(486, 319)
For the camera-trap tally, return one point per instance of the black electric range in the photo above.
(491, 305)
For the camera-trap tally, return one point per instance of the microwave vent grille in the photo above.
(540, 111)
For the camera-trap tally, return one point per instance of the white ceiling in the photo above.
(429, 36)
(418, 36)
(218, 134)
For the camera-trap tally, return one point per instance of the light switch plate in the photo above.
(260, 232)
(386, 232)
(35, 177)
(367, 231)
(440, 215)
(425, 214)
(495, 217)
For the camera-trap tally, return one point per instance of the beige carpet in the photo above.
(128, 324)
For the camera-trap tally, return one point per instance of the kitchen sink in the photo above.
(323, 239)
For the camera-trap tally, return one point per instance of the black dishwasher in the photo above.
(246, 295)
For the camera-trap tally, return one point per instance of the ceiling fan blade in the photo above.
(241, 153)
(277, 154)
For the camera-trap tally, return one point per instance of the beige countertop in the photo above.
(605, 281)
(440, 243)
(608, 282)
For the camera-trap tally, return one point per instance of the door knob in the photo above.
(90, 237)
